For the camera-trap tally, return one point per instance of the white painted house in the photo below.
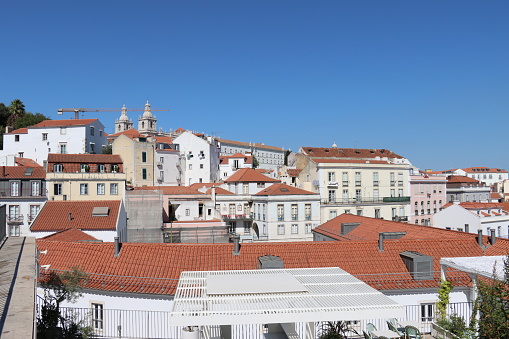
(201, 155)
(74, 136)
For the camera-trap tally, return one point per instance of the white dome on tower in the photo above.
(147, 113)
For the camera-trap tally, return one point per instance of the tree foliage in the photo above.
(336, 330)
(255, 162)
(57, 288)
(492, 306)
(29, 119)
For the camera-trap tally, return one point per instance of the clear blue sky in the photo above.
(428, 80)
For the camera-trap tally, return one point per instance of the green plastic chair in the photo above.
(370, 328)
(413, 333)
(393, 328)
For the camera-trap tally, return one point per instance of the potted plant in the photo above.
(190, 332)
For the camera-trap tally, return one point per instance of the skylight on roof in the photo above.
(100, 211)
(283, 189)
(29, 171)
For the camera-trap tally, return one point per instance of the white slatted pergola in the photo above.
(277, 296)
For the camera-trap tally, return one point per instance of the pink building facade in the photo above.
(428, 195)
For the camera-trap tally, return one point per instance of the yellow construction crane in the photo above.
(77, 111)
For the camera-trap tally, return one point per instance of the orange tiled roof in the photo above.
(248, 159)
(324, 152)
(249, 144)
(27, 162)
(220, 191)
(180, 130)
(85, 158)
(18, 172)
(19, 131)
(62, 215)
(198, 185)
(483, 170)
(370, 228)
(349, 161)
(70, 234)
(170, 190)
(460, 179)
(284, 189)
(382, 270)
(64, 123)
(164, 140)
(130, 133)
(249, 175)
(293, 172)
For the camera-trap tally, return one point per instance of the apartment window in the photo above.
(393, 213)
(427, 312)
(190, 166)
(92, 130)
(393, 179)
(295, 229)
(357, 178)
(35, 190)
(92, 147)
(84, 168)
(307, 211)
(434, 206)
(308, 228)
(400, 192)
(345, 178)
(416, 208)
(393, 193)
(236, 164)
(14, 231)
(34, 210)
(113, 189)
(143, 156)
(359, 212)
(144, 173)
(83, 189)
(295, 212)
(100, 133)
(245, 189)
(401, 211)
(358, 195)
(200, 180)
(44, 136)
(188, 212)
(21, 154)
(375, 178)
(333, 214)
(400, 179)
(332, 177)
(280, 229)
(345, 196)
(16, 138)
(63, 131)
(260, 185)
(375, 195)
(13, 212)
(201, 166)
(15, 188)
(467, 228)
(101, 188)
(161, 175)
(422, 207)
(57, 189)
(332, 196)
(62, 148)
(280, 212)
(377, 213)
(428, 207)
(97, 316)
(101, 168)
(58, 168)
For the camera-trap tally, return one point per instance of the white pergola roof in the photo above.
(260, 297)
(483, 266)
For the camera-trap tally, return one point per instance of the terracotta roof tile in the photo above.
(70, 234)
(382, 270)
(220, 191)
(130, 133)
(249, 144)
(19, 172)
(349, 161)
(283, 189)
(483, 170)
(460, 179)
(63, 123)
(27, 162)
(55, 215)
(164, 140)
(293, 172)
(249, 175)
(85, 158)
(323, 152)
(19, 131)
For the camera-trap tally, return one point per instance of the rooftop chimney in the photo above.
(118, 247)
(479, 237)
(236, 244)
(492, 237)
(381, 241)
(70, 216)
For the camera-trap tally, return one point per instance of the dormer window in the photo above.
(58, 168)
(114, 168)
(84, 168)
(101, 168)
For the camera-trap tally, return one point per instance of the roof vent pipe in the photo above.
(381, 241)
(479, 237)
(236, 244)
(118, 247)
(493, 238)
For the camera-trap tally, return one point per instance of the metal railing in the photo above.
(365, 200)
(116, 323)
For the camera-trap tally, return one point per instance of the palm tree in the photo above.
(16, 110)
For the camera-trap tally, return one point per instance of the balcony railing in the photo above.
(333, 184)
(280, 218)
(308, 217)
(15, 219)
(295, 217)
(237, 217)
(368, 200)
